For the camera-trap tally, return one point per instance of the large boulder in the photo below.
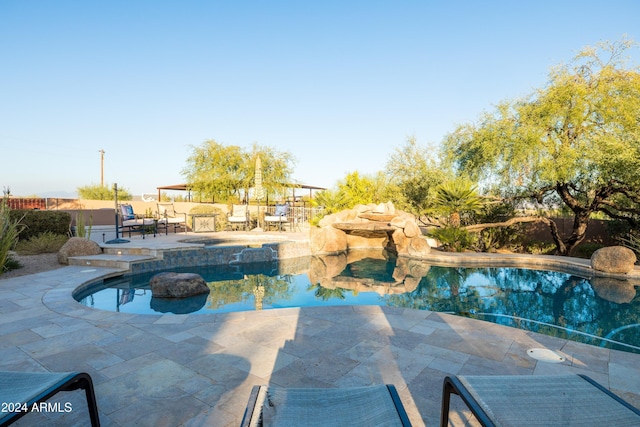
(77, 246)
(327, 240)
(177, 285)
(369, 227)
(613, 259)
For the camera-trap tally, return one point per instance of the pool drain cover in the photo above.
(544, 355)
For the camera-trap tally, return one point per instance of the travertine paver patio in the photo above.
(196, 370)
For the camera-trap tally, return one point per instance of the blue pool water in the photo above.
(549, 302)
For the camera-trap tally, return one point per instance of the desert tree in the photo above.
(574, 142)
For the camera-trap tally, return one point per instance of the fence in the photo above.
(299, 214)
(27, 203)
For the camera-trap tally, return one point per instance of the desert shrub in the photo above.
(36, 222)
(82, 230)
(103, 192)
(10, 228)
(585, 250)
(491, 239)
(44, 243)
(539, 247)
(453, 239)
(11, 264)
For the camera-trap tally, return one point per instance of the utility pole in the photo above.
(101, 167)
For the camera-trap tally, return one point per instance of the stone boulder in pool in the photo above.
(613, 259)
(177, 285)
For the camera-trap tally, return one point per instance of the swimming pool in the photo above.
(548, 302)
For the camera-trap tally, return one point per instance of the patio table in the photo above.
(202, 223)
(538, 400)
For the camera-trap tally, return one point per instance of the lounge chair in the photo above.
(238, 217)
(27, 390)
(554, 400)
(167, 216)
(377, 406)
(133, 223)
(279, 217)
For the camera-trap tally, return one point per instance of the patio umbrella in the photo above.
(259, 190)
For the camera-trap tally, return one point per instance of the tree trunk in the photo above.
(561, 247)
(579, 232)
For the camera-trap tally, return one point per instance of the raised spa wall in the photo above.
(223, 254)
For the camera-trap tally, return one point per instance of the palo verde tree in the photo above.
(574, 142)
(414, 174)
(215, 171)
(277, 168)
(220, 173)
(102, 192)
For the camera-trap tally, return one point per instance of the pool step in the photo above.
(129, 251)
(122, 261)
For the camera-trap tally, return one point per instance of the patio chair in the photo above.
(238, 217)
(279, 217)
(27, 390)
(133, 223)
(167, 216)
(377, 405)
(551, 400)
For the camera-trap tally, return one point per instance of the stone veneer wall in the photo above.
(220, 255)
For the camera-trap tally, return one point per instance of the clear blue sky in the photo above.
(339, 84)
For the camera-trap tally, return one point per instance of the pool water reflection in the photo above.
(603, 312)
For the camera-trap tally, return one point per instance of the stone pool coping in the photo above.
(213, 360)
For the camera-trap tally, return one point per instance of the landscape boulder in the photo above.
(613, 259)
(77, 246)
(373, 226)
(177, 285)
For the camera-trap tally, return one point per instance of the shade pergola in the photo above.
(186, 187)
(176, 187)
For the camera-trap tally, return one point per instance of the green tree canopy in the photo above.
(415, 174)
(220, 172)
(100, 192)
(354, 189)
(216, 171)
(574, 142)
(277, 168)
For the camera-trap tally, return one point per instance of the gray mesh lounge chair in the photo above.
(528, 400)
(377, 406)
(27, 389)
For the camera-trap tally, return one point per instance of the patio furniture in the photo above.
(22, 392)
(203, 223)
(239, 217)
(525, 400)
(377, 405)
(167, 216)
(279, 217)
(133, 223)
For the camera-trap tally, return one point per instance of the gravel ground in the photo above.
(32, 264)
